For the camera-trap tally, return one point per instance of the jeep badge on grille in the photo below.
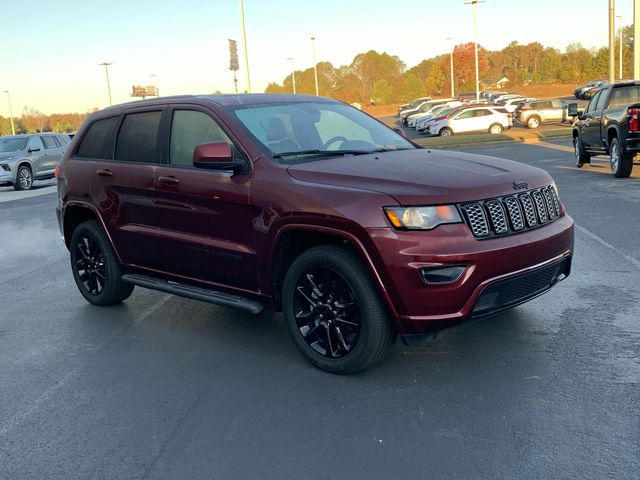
(520, 185)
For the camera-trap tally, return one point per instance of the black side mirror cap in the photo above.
(572, 109)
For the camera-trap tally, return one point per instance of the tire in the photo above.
(358, 328)
(24, 178)
(445, 132)
(496, 129)
(621, 163)
(95, 267)
(533, 121)
(580, 156)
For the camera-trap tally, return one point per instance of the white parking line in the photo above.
(11, 195)
(632, 260)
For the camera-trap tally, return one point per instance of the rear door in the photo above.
(204, 220)
(121, 155)
(52, 156)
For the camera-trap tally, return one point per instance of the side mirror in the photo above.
(215, 156)
(34, 149)
(400, 132)
(572, 109)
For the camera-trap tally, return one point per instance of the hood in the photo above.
(420, 176)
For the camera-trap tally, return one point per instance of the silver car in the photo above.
(25, 158)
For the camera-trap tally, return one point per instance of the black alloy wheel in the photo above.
(326, 312)
(95, 267)
(90, 264)
(333, 311)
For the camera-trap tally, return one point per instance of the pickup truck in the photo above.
(610, 125)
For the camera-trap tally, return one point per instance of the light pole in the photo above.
(247, 81)
(475, 41)
(315, 63)
(619, 17)
(451, 59)
(155, 77)
(612, 36)
(13, 129)
(106, 72)
(293, 75)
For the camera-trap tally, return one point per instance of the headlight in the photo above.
(422, 218)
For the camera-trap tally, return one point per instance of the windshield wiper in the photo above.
(333, 153)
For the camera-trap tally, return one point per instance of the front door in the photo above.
(204, 220)
(37, 155)
(590, 124)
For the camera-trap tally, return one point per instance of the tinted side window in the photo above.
(49, 142)
(467, 114)
(98, 141)
(190, 128)
(137, 137)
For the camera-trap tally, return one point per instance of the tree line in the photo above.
(381, 78)
(34, 121)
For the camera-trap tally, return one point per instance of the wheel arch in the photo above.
(75, 213)
(293, 239)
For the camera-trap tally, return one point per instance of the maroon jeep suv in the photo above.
(308, 205)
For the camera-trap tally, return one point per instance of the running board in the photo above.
(195, 293)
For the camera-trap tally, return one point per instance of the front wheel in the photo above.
(95, 267)
(24, 178)
(621, 163)
(445, 132)
(333, 311)
(581, 157)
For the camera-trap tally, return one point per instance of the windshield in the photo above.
(12, 144)
(316, 130)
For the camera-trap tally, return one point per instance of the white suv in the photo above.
(475, 119)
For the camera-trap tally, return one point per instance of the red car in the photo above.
(308, 205)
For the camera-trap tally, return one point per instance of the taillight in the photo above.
(634, 123)
(56, 171)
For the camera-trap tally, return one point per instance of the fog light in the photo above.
(441, 275)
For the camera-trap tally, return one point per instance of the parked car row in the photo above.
(587, 91)
(25, 158)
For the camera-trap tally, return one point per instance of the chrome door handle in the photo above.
(104, 173)
(169, 180)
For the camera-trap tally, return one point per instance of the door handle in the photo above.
(169, 180)
(104, 173)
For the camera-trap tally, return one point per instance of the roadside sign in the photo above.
(233, 55)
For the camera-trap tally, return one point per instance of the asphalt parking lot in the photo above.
(162, 387)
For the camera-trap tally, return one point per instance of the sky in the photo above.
(53, 64)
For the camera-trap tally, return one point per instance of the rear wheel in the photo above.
(496, 129)
(445, 132)
(581, 157)
(95, 267)
(24, 178)
(333, 312)
(621, 163)
(533, 121)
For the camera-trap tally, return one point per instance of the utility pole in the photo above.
(451, 58)
(636, 44)
(612, 42)
(106, 72)
(13, 128)
(247, 80)
(293, 75)
(315, 63)
(619, 17)
(475, 41)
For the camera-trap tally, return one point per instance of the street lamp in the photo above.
(106, 72)
(155, 77)
(315, 63)
(619, 17)
(247, 81)
(475, 41)
(13, 129)
(451, 59)
(293, 75)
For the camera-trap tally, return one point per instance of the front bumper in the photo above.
(492, 267)
(7, 177)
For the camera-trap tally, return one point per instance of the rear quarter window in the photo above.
(98, 141)
(138, 137)
(625, 95)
